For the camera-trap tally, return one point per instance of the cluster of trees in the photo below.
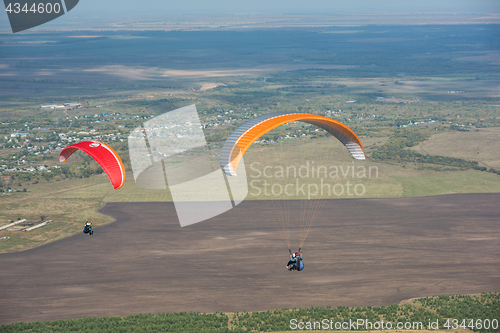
(395, 150)
(261, 98)
(165, 322)
(279, 320)
(441, 308)
(460, 307)
(20, 178)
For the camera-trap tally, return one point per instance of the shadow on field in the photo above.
(359, 252)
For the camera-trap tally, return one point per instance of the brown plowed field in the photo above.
(359, 252)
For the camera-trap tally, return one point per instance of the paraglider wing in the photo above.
(244, 136)
(104, 155)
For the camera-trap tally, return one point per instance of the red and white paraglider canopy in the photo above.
(104, 155)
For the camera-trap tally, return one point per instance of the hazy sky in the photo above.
(216, 7)
(102, 12)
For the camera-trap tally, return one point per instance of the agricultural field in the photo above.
(358, 252)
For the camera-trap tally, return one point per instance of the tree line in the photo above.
(396, 150)
(463, 308)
